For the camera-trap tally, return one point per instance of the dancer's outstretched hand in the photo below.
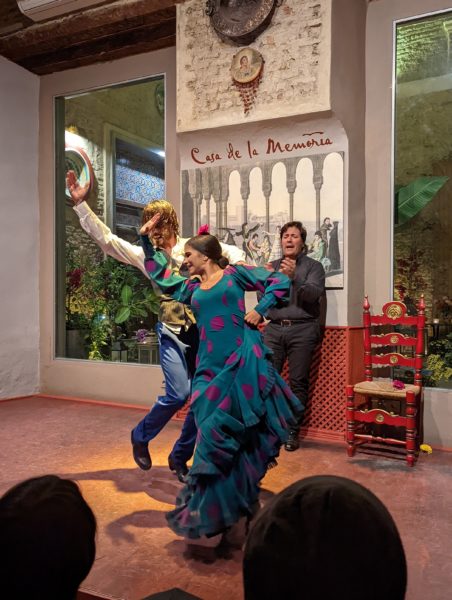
(253, 318)
(149, 226)
(78, 193)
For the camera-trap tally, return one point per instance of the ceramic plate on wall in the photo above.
(77, 160)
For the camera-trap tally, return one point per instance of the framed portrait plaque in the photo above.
(246, 65)
(246, 72)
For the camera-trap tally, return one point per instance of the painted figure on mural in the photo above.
(333, 248)
(317, 248)
(324, 230)
(246, 232)
(227, 237)
(266, 247)
(276, 251)
(254, 249)
(246, 206)
(242, 407)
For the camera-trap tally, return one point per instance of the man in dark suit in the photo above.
(294, 330)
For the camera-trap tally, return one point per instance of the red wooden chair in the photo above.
(383, 413)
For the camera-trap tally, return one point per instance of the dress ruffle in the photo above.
(240, 431)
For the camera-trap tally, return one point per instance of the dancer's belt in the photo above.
(289, 322)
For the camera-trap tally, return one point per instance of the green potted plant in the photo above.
(439, 362)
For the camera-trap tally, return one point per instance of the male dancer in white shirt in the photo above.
(176, 329)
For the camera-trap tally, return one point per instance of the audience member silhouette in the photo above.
(47, 539)
(324, 537)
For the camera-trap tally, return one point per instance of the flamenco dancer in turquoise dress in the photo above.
(242, 407)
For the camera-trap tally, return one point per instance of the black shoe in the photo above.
(180, 470)
(141, 455)
(293, 443)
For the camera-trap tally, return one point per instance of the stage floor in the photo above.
(136, 552)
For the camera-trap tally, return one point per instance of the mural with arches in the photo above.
(247, 204)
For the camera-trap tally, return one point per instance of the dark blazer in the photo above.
(308, 286)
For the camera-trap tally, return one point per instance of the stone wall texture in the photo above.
(130, 109)
(296, 48)
(423, 48)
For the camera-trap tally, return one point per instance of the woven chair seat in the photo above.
(384, 388)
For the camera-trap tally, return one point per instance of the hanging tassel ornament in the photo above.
(246, 71)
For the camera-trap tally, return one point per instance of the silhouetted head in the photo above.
(324, 537)
(47, 539)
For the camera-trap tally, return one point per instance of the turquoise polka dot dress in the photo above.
(242, 407)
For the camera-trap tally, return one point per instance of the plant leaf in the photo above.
(413, 197)
(154, 306)
(122, 315)
(150, 295)
(126, 294)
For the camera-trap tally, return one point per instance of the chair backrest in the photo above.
(383, 344)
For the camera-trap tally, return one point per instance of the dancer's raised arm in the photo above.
(156, 266)
(107, 241)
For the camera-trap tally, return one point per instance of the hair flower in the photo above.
(398, 385)
(203, 229)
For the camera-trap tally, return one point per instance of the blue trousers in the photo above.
(177, 359)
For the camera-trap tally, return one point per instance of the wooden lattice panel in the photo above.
(336, 362)
(325, 413)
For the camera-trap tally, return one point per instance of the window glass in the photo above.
(423, 182)
(113, 139)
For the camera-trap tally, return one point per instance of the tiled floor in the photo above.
(138, 555)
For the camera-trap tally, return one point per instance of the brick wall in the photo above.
(422, 49)
(296, 49)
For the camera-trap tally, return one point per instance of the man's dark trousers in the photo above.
(296, 342)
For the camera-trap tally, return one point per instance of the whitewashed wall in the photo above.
(296, 48)
(19, 238)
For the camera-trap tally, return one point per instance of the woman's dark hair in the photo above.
(298, 225)
(318, 232)
(47, 539)
(208, 245)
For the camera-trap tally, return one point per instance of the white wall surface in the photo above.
(381, 17)
(132, 384)
(19, 238)
(296, 48)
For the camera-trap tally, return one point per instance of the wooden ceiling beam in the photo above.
(71, 38)
(82, 22)
(103, 49)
